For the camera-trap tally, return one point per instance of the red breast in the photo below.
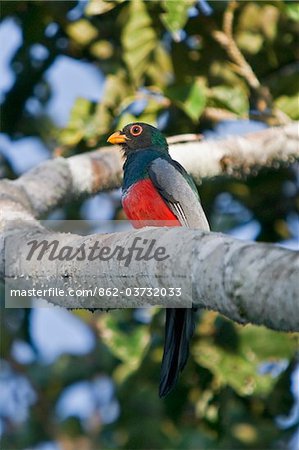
(143, 203)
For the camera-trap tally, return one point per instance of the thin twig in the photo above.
(218, 114)
(241, 66)
(226, 39)
(184, 138)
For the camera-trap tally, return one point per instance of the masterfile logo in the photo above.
(140, 249)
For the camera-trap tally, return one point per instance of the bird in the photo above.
(157, 188)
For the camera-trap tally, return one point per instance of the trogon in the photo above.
(157, 188)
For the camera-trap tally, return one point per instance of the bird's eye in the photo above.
(136, 130)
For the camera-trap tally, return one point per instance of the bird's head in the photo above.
(138, 136)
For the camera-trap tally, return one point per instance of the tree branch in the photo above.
(59, 180)
(239, 155)
(248, 282)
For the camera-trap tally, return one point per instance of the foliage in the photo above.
(162, 65)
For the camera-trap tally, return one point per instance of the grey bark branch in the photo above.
(248, 282)
(245, 281)
(239, 155)
(60, 180)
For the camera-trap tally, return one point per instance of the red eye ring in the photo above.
(136, 130)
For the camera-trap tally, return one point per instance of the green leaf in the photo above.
(233, 99)
(176, 14)
(189, 97)
(72, 134)
(80, 111)
(102, 49)
(233, 370)
(268, 344)
(69, 137)
(160, 69)
(82, 31)
(289, 105)
(124, 119)
(292, 10)
(97, 7)
(250, 42)
(129, 347)
(115, 90)
(240, 369)
(138, 39)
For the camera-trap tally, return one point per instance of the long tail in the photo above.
(179, 328)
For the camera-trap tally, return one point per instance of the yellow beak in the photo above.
(117, 138)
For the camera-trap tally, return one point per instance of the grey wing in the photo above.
(174, 185)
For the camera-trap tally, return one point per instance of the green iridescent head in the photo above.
(138, 136)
